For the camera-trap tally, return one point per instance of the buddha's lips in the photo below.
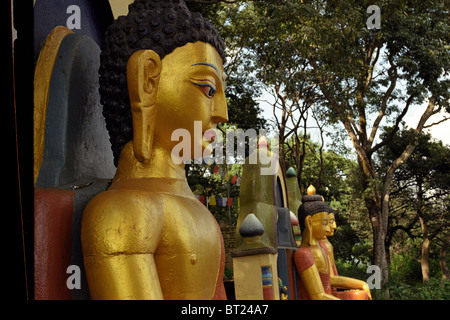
(210, 134)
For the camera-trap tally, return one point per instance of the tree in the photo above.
(364, 77)
(284, 74)
(424, 183)
(367, 76)
(407, 40)
(242, 87)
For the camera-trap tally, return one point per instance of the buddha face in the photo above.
(332, 223)
(190, 91)
(319, 225)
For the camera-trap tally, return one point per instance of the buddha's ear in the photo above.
(308, 226)
(308, 222)
(143, 70)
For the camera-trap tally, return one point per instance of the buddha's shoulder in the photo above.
(303, 252)
(303, 259)
(133, 217)
(119, 202)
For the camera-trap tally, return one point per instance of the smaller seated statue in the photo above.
(344, 288)
(311, 259)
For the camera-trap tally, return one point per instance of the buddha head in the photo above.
(161, 69)
(313, 217)
(332, 223)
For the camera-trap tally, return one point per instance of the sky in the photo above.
(440, 131)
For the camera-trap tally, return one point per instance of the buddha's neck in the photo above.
(160, 165)
(308, 240)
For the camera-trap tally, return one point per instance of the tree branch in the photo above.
(346, 120)
(392, 73)
(436, 123)
(372, 64)
(388, 178)
(396, 126)
(410, 148)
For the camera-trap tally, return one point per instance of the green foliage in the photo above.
(429, 164)
(405, 281)
(435, 289)
(242, 87)
(405, 269)
(348, 269)
(352, 240)
(228, 273)
(419, 193)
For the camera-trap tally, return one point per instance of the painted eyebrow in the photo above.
(207, 64)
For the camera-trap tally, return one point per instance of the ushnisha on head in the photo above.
(161, 26)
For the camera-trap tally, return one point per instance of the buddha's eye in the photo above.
(207, 89)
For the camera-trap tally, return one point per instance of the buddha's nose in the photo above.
(220, 111)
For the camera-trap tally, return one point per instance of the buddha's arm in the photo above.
(313, 284)
(123, 277)
(349, 283)
(119, 237)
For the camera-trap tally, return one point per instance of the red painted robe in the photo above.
(304, 259)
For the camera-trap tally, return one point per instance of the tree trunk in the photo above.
(443, 259)
(379, 244)
(378, 217)
(388, 252)
(424, 262)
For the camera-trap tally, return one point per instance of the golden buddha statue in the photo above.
(311, 259)
(314, 260)
(147, 236)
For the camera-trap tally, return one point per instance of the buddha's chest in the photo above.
(188, 255)
(320, 258)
